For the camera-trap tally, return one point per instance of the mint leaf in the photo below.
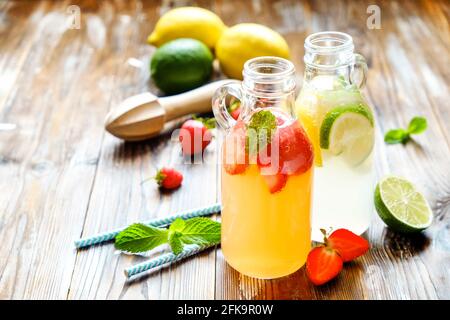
(260, 131)
(139, 237)
(396, 136)
(175, 242)
(177, 225)
(201, 231)
(417, 125)
(175, 234)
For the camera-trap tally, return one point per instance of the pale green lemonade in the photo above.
(341, 126)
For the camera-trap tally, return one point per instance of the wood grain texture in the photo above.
(63, 177)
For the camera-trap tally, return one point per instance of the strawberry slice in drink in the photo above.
(275, 182)
(268, 159)
(290, 152)
(234, 157)
(295, 151)
(269, 165)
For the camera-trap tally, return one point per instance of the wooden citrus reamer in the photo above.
(144, 115)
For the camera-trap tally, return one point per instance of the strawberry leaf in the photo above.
(209, 123)
(160, 176)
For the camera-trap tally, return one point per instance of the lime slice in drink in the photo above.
(401, 206)
(348, 131)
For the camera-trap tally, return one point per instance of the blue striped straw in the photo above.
(169, 257)
(110, 235)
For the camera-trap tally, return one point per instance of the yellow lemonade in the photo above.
(267, 172)
(266, 235)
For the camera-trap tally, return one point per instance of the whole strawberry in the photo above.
(195, 136)
(168, 178)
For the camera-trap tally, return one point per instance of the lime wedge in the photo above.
(348, 131)
(401, 206)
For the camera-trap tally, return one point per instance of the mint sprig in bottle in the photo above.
(340, 125)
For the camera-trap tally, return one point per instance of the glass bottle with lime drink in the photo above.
(340, 125)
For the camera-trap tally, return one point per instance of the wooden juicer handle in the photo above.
(144, 115)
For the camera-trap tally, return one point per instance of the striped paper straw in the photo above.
(188, 250)
(110, 235)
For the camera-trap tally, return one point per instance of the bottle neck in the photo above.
(269, 82)
(328, 55)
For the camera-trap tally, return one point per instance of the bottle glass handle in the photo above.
(219, 104)
(358, 74)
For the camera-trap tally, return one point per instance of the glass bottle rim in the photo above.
(268, 69)
(344, 42)
(327, 44)
(269, 76)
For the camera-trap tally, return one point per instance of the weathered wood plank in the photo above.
(49, 161)
(99, 273)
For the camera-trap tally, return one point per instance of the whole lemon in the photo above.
(187, 22)
(246, 41)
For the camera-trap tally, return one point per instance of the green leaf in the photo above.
(201, 231)
(175, 242)
(139, 238)
(260, 131)
(417, 125)
(160, 177)
(177, 225)
(396, 136)
(209, 123)
(234, 106)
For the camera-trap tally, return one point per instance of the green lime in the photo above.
(181, 65)
(348, 131)
(401, 206)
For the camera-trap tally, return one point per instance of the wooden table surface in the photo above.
(62, 176)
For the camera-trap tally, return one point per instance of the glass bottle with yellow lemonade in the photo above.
(267, 173)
